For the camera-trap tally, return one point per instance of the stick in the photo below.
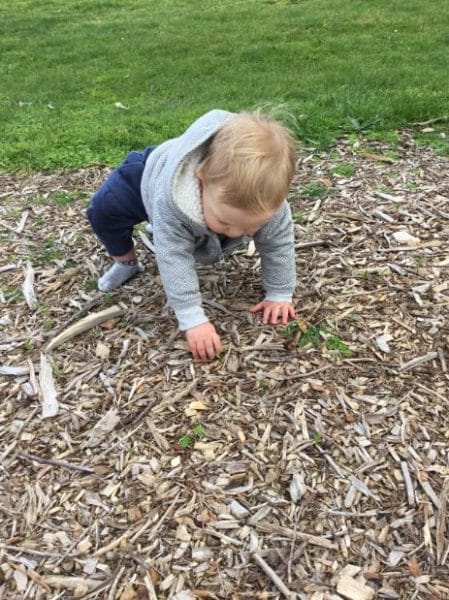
(56, 463)
(408, 483)
(84, 325)
(289, 533)
(146, 242)
(28, 287)
(22, 221)
(274, 578)
(418, 361)
(312, 244)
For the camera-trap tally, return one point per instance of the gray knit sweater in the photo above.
(171, 199)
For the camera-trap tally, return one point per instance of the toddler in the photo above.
(219, 184)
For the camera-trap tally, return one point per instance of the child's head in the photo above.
(247, 171)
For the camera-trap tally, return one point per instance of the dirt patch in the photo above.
(311, 460)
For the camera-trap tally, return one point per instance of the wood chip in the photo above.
(49, 400)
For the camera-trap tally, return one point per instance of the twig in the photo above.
(217, 306)
(274, 578)
(222, 536)
(442, 360)
(408, 483)
(145, 526)
(84, 325)
(440, 536)
(431, 121)
(112, 589)
(419, 360)
(311, 244)
(23, 550)
(56, 463)
(428, 489)
(290, 534)
(150, 588)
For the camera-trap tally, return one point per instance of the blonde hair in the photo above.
(252, 159)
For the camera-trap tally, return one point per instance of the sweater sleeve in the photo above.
(276, 246)
(174, 248)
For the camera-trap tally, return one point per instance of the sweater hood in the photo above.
(163, 163)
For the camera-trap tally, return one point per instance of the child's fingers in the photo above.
(256, 307)
(217, 344)
(286, 313)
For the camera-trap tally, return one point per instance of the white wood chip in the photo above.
(28, 287)
(404, 237)
(297, 487)
(353, 590)
(48, 394)
(104, 426)
(382, 344)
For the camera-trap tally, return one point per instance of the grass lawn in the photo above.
(83, 82)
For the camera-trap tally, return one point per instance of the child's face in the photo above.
(228, 220)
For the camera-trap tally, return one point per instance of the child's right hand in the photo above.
(204, 342)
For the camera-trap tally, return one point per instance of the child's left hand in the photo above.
(273, 310)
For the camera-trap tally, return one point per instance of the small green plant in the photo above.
(315, 189)
(48, 322)
(317, 437)
(345, 170)
(317, 337)
(39, 220)
(438, 139)
(185, 441)
(12, 293)
(359, 125)
(421, 261)
(289, 331)
(391, 137)
(337, 345)
(299, 218)
(47, 252)
(90, 285)
(62, 198)
(58, 371)
(310, 337)
(263, 384)
(188, 439)
(198, 430)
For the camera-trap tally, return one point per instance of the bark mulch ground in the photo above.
(305, 462)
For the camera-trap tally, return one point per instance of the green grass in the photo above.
(67, 67)
(314, 189)
(346, 170)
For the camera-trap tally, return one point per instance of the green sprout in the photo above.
(299, 218)
(337, 345)
(198, 430)
(317, 437)
(187, 439)
(317, 337)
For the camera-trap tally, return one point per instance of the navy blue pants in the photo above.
(117, 206)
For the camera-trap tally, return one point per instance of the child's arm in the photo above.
(174, 248)
(276, 245)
